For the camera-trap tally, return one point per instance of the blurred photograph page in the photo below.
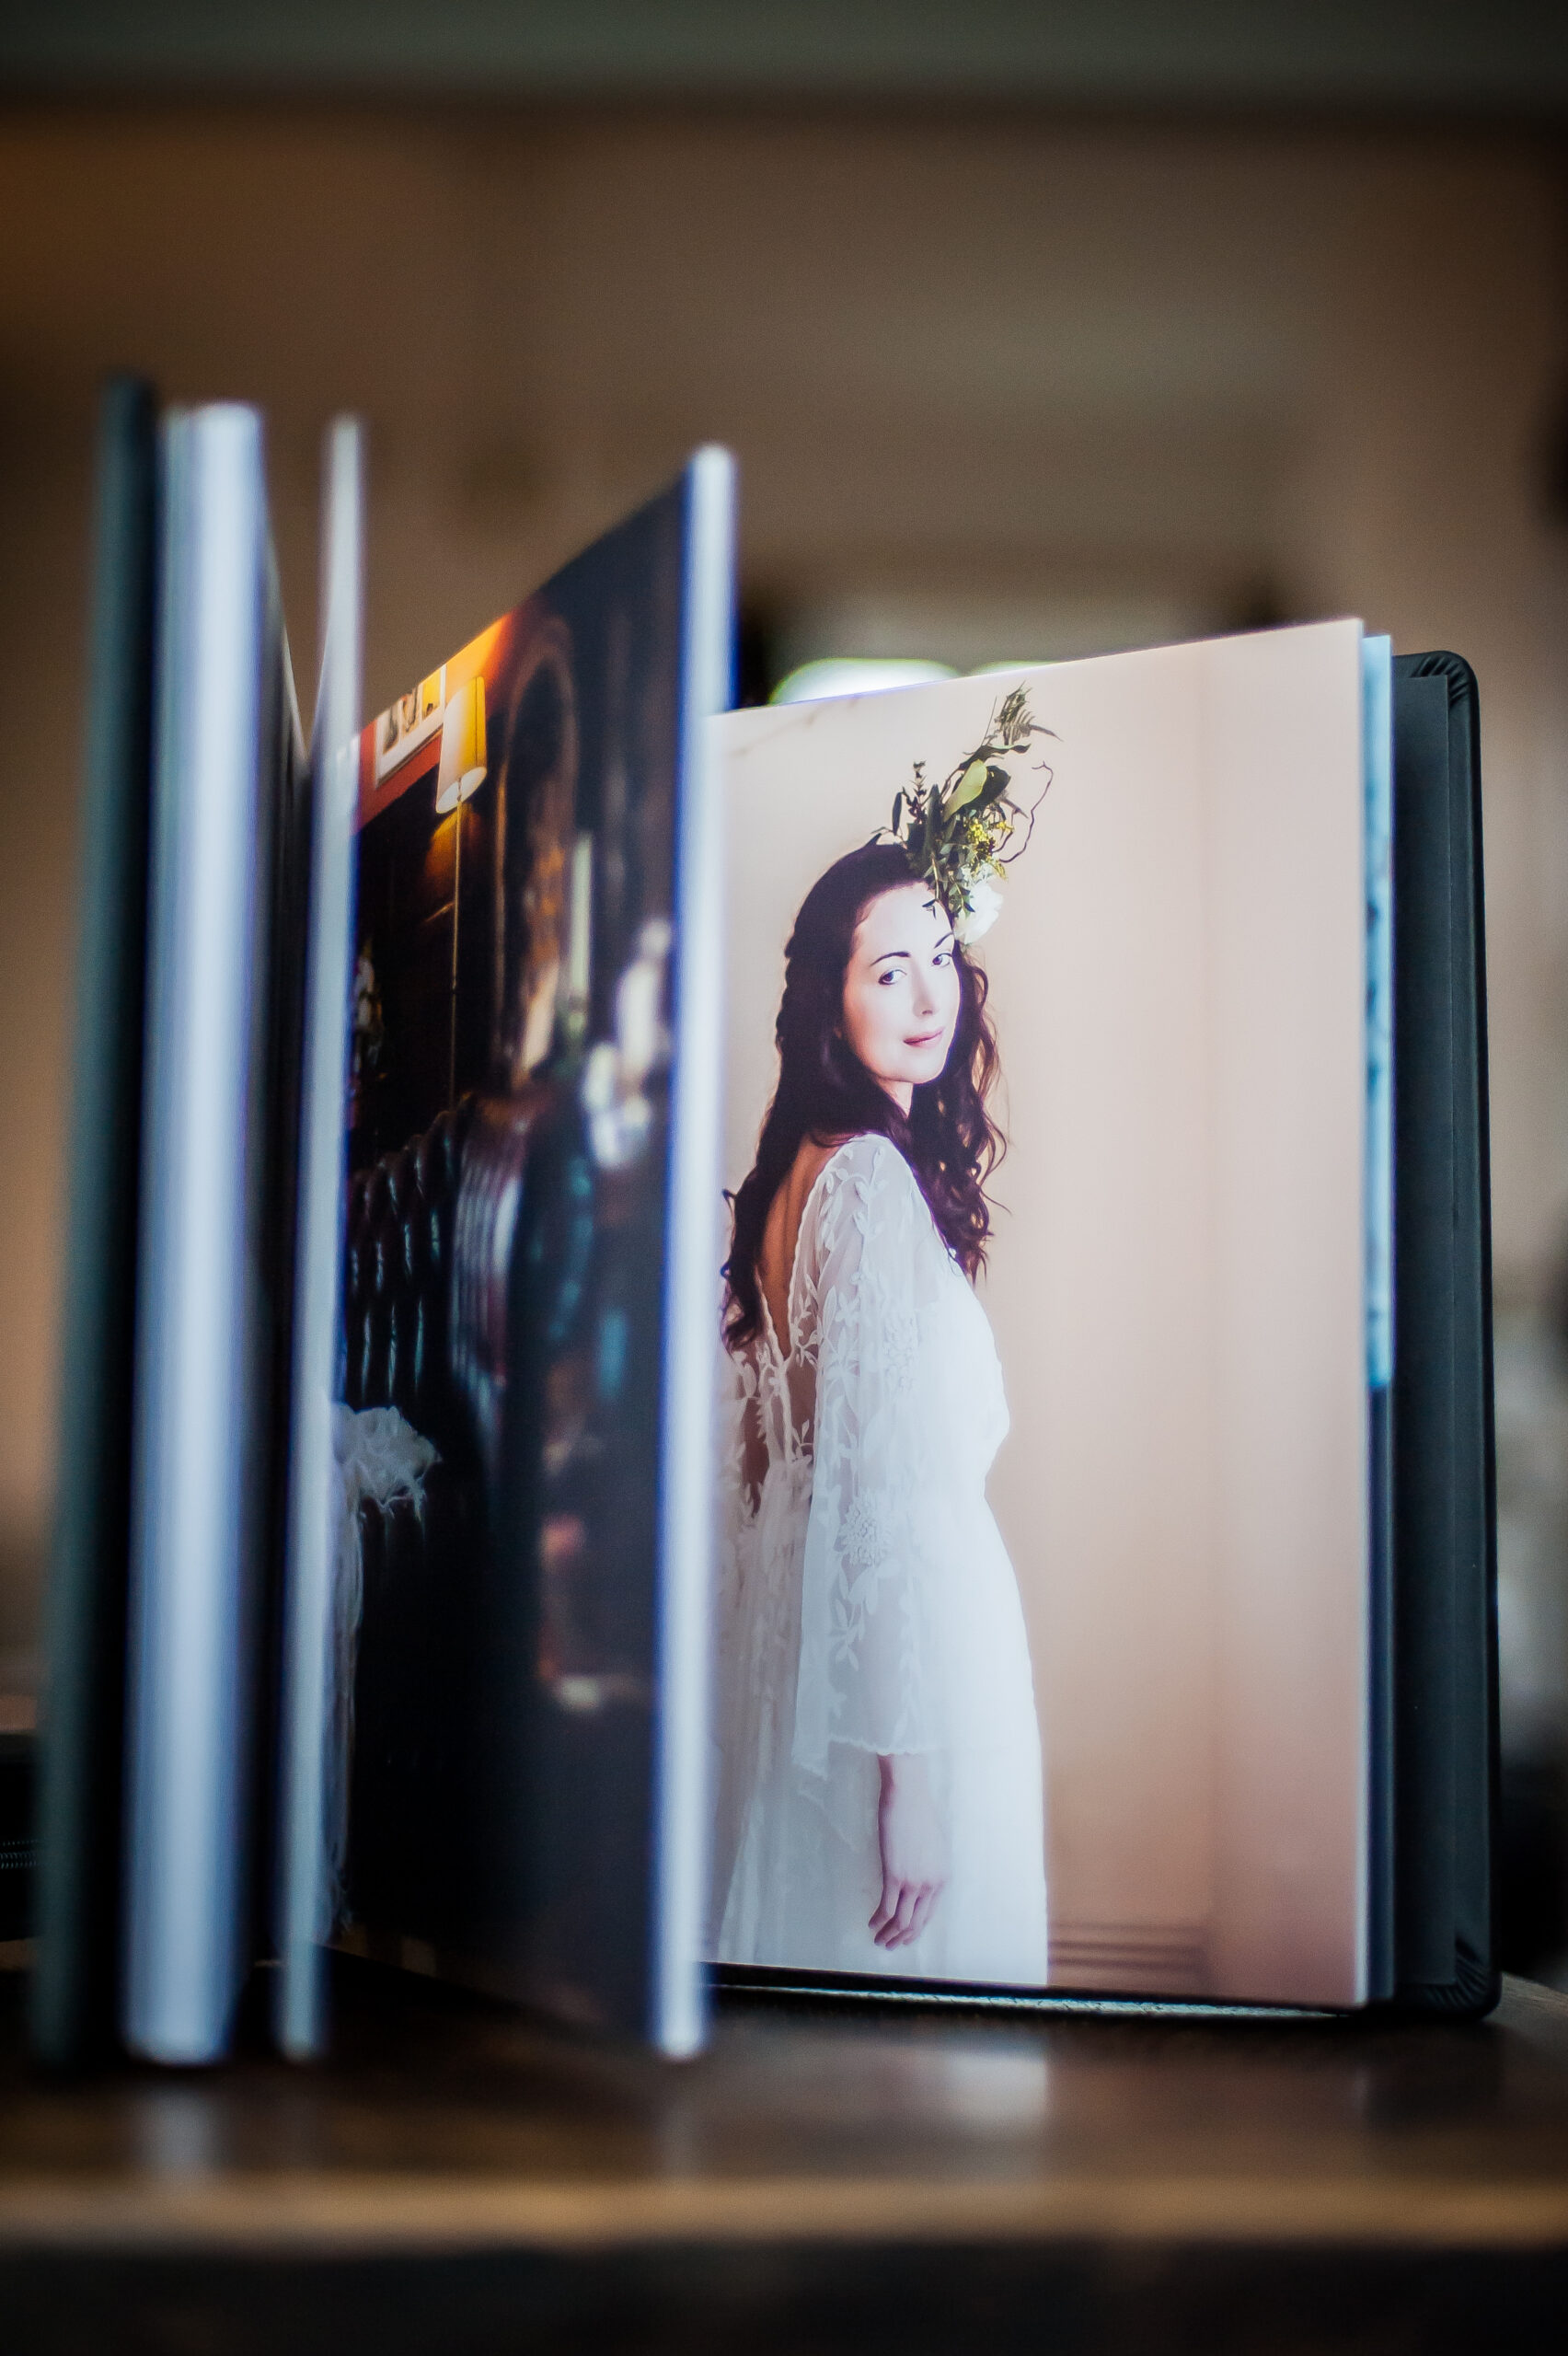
(526, 1078)
(1044, 1574)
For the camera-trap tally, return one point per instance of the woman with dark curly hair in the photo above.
(880, 1805)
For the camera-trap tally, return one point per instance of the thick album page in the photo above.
(515, 1698)
(1044, 1608)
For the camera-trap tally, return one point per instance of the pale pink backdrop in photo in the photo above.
(1175, 1283)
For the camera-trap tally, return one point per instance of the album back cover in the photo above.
(1444, 1615)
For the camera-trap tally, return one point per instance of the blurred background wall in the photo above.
(1038, 330)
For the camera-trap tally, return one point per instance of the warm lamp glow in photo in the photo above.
(462, 746)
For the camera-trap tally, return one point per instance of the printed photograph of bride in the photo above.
(1042, 1650)
(867, 1406)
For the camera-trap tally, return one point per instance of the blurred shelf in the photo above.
(822, 2179)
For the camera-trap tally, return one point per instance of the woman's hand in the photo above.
(914, 1851)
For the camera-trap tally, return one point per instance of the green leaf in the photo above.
(969, 787)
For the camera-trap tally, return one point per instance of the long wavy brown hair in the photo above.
(824, 1092)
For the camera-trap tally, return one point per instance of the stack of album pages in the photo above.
(843, 1346)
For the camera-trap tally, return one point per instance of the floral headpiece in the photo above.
(954, 834)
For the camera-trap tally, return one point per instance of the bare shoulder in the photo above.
(812, 1158)
(788, 1204)
(780, 1250)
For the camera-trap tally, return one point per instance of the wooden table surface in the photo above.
(823, 2179)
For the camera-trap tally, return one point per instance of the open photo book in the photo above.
(837, 1347)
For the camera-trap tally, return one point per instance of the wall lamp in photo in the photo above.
(459, 778)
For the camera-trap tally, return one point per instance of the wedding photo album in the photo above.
(838, 1349)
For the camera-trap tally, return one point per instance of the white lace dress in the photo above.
(868, 1606)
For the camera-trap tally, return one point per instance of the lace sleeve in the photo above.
(878, 1573)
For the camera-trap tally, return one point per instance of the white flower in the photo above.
(982, 907)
